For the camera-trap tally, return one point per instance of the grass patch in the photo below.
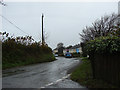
(83, 75)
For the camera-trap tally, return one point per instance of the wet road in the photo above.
(46, 75)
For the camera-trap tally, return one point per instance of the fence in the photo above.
(107, 67)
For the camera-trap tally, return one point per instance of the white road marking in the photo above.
(56, 81)
(49, 84)
(42, 87)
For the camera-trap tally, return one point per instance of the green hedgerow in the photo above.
(109, 44)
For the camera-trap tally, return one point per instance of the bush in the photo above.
(104, 54)
(109, 44)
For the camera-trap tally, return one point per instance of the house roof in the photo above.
(75, 46)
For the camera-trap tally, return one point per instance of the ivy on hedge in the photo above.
(109, 44)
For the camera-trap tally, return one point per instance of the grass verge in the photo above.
(83, 75)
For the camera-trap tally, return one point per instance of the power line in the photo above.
(13, 24)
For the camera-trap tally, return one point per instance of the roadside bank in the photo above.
(83, 75)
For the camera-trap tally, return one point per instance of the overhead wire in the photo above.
(2, 3)
(13, 24)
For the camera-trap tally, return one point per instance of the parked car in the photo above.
(56, 55)
(68, 55)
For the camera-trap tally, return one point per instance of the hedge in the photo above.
(109, 44)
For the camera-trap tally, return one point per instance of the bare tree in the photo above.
(102, 27)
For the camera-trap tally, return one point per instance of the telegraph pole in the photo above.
(43, 40)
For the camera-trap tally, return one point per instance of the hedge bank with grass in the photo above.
(104, 55)
(101, 42)
(102, 69)
(19, 51)
(83, 75)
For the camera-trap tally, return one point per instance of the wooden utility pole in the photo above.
(43, 40)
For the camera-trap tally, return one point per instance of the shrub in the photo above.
(108, 44)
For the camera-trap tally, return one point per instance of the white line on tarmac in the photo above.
(49, 84)
(57, 81)
(42, 87)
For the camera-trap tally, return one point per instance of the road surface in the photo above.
(46, 75)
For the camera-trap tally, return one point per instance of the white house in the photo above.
(74, 49)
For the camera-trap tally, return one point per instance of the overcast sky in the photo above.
(62, 21)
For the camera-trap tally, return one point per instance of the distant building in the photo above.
(74, 49)
(55, 51)
(60, 50)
